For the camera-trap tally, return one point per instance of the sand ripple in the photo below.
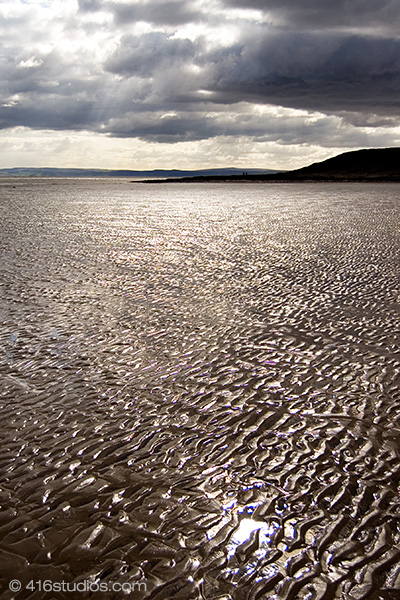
(200, 389)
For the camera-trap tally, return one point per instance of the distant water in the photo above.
(200, 389)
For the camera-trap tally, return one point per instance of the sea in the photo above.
(199, 393)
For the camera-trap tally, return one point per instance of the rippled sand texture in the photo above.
(199, 389)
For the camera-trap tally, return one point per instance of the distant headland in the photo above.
(371, 165)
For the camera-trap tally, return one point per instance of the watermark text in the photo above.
(47, 585)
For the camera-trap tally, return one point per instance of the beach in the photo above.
(199, 389)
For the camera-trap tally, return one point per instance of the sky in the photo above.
(149, 84)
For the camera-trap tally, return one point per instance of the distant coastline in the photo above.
(106, 173)
(371, 166)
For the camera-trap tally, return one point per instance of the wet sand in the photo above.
(199, 389)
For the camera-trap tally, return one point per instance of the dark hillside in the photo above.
(375, 165)
(382, 163)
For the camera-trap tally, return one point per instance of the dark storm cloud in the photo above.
(315, 71)
(159, 128)
(59, 114)
(160, 86)
(325, 14)
(143, 55)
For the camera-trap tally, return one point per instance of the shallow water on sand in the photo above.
(199, 390)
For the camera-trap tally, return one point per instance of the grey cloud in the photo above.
(57, 113)
(90, 5)
(170, 12)
(311, 71)
(368, 120)
(325, 131)
(155, 127)
(143, 55)
(148, 88)
(157, 12)
(325, 14)
(47, 74)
